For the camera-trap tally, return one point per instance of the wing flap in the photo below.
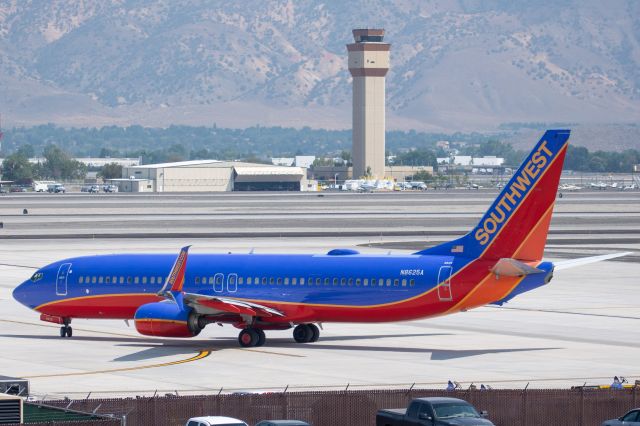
(230, 305)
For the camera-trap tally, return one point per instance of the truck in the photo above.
(433, 411)
(42, 185)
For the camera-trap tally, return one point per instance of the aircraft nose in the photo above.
(20, 293)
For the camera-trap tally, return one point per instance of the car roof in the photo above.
(216, 419)
(285, 422)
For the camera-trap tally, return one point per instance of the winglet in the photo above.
(175, 280)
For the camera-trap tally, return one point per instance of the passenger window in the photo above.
(357, 282)
(343, 281)
(301, 281)
(381, 282)
(396, 282)
(160, 280)
(153, 280)
(404, 282)
(81, 280)
(318, 281)
(136, 280)
(412, 282)
(100, 279)
(365, 282)
(211, 280)
(144, 280)
(350, 282)
(310, 281)
(286, 280)
(232, 279)
(108, 280)
(294, 281)
(326, 281)
(93, 280)
(388, 282)
(271, 280)
(279, 282)
(114, 280)
(335, 281)
(240, 280)
(197, 280)
(129, 280)
(121, 280)
(87, 279)
(264, 280)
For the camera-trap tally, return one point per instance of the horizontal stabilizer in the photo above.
(566, 264)
(506, 267)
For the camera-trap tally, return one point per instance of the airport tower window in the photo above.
(404, 282)
(396, 282)
(412, 283)
(81, 279)
(129, 280)
(343, 281)
(240, 280)
(286, 280)
(388, 282)
(350, 282)
(136, 280)
(93, 280)
(152, 280)
(197, 280)
(365, 282)
(357, 282)
(335, 281)
(144, 280)
(326, 281)
(108, 280)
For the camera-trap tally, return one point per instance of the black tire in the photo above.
(302, 333)
(262, 338)
(69, 331)
(63, 331)
(315, 333)
(248, 338)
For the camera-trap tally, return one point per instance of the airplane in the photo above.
(569, 187)
(169, 296)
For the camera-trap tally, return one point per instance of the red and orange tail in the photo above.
(517, 223)
(175, 280)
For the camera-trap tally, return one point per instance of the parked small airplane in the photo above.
(570, 188)
(498, 260)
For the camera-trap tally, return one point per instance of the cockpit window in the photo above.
(37, 276)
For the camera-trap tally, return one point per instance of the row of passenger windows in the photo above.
(233, 280)
(366, 282)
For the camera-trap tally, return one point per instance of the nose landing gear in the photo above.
(66, 330)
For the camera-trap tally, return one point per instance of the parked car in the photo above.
(632, 418)
(282, 423)
(110, 188)
(436, 411)
(57, 188)
(94, 189)
(215, 421)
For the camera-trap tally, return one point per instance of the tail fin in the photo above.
(517, 223)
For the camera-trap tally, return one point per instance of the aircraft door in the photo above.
(218, 283)
(61, 279)
(444, 286)
(232, 283)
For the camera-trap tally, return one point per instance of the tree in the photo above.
(59, 165)
(16, 167)
(111, 171)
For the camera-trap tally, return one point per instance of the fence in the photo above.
(579, 407)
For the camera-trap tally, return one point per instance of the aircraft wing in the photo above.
(216, 305)
(566, 264)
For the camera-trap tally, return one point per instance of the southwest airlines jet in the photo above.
(173, 296)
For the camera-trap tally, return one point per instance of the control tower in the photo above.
(368, 64)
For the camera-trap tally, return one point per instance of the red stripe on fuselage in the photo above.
(108, 306)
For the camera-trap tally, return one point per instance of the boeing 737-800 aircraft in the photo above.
(498, 260)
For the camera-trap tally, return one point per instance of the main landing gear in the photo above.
(303, 333)
(66, 331)
(251, 337)
(306, 333)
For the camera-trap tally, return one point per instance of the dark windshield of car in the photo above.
(454, 409)
(37, 276)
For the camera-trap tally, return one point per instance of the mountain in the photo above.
(457, 65)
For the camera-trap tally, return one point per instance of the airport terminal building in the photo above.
(211, 176)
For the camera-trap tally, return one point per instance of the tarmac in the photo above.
(584, 327)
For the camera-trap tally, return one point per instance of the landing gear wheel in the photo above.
(63, 331)
(248, 338)
(302, 333)
(261, 337)
(69, 331)
(315, 333)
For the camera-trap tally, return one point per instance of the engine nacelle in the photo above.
(166, 319)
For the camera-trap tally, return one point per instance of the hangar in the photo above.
(211, 176)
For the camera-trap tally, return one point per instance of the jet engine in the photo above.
(167, 319)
